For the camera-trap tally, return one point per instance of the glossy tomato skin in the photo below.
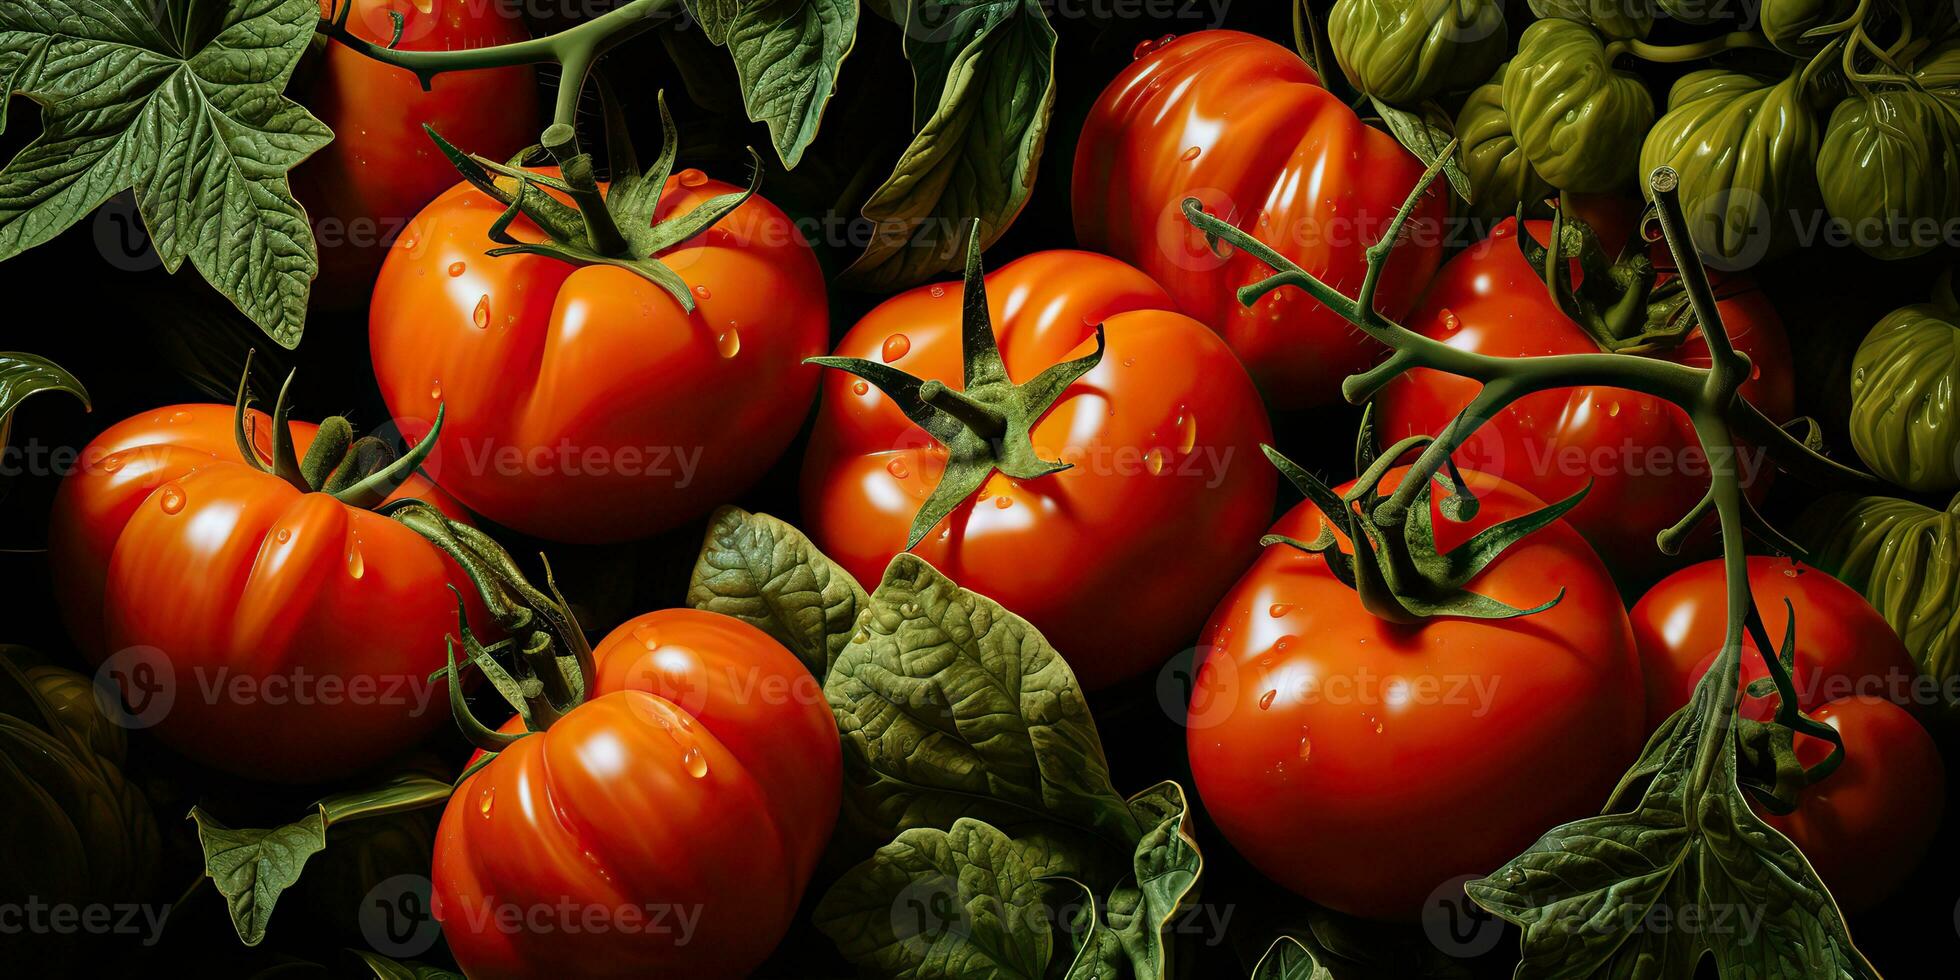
(1115, 560)
(584, 404)
(699, 784)
(1364, 764)
(1640, 453)
(381, 168)
(1242, 124)
(1844, 647)
(268, 632)
(1866, 826)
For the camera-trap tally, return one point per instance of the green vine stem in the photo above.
(1677, 53)
(1696, 748)
(574, 50)
(357, 472)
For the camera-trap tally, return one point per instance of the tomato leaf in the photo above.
(1690, 843)
(25, 375)
(1427, 135)
(1123, 933)
(965, 902)
(787, 53)
(253, 867)
(950, 706)
(984, 90)
(1289, 959)
(767, 574)
(387, 969)
(181, 100)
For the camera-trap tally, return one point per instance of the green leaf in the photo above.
(950, 706)
(766, 573)
(26, 375)
(786, 53)
(253, 867)
(968, 902)
(181, 100)
(1690, 845)
(1289, 959)
(1427, 135)
(387, 969)
(1167, 866)
(984, 89)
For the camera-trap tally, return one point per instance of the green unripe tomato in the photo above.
(1784, 22)
(1576, 117)
(1612, 18)
(1903, 421)
(1888, 168)
(1744, 147)
(1405, 51)
(1500, 176)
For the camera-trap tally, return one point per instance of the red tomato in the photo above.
(1865, 826)
(1164, 436)
(381, 168)
(1844, 647)
(1244, 125)
(1364, 764)
(682, 809)
(1639, 452)
(268, 632)
(584, 404)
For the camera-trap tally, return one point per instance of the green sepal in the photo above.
(1618, 304)
(988, 424)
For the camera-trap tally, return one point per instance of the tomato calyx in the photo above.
(1622, 305)
(988, 424)
(1396, 570)
(615, 224)
(357, 472)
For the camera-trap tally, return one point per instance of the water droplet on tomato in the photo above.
(1154, 460)
(1450, 322)
(1613, 410)
(1003, 502)
(481, 316)
(692, 178)
(1306, 745)
(895, 347)
(435, 390)
(112, 464)
(860, 387)
(1278, 609)
(487, 800)
(285, 534)
(171, 499)
(937, 291)
(897, 468)
(695, 763)
(730, 342)
(356, 565)
(1187, 427)
(456, 269)
(1190, 154)
(1283, 643)
(703, 292)
(1266, 699)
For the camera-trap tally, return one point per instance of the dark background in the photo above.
(140, 339)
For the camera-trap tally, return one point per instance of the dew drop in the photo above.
(1190, 154)
(1003, 502)
(112, 464)
(895, 347)
(703, 292)
(937, 291)
(1187, 428)
(487, 800)
(171, 499)
(1266, 699)
(1450, 322)
(692, 178)
(729, 343)
(482, 315)
(1306, 745)
(1278, 609)
(284, 535)
(898, 469)
(1154, 460)
(860, 387)
(1613, 410)
(356, 565)
(695, 763)
(435, 390)
(456, 269)
(1284, 643)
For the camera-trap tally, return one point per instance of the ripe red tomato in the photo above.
(268, 632)
(1364, 764)
(1639, 452)
(1164, 436)
(381, 168)
(584, 404)
(1866, 826)
(1244, 125)
(1844, 647)
(666, 827)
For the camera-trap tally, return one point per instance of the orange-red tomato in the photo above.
(666, 827)
(381, 168)
(1866, 826)
(1115, 560)
(584, 403)
(1244, 125)
(268, 632)
(1638, 452)
(1844, 647)
(1364, 764)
